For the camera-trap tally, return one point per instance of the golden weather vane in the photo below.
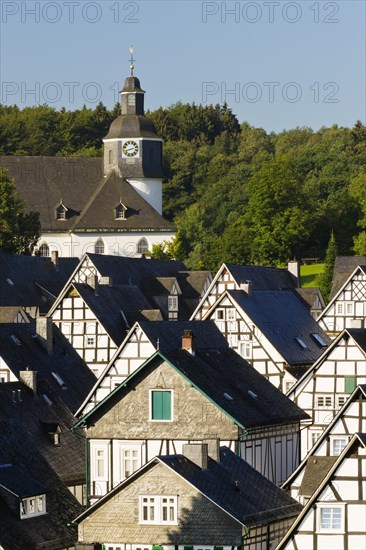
(132, 60)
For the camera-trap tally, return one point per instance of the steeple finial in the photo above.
(132, 66)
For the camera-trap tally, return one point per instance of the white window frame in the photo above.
(332, 506)
(173, 302)
(171, 405)
(33, 506)
(345, 308)
(247, 345)
(158, 509)
(334, 440)
(230, 314)
(341, 399)
(95, 448)
(122, 448)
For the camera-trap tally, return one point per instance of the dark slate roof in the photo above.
(263, 278)
(237, 488)
(90, 198)
(232, 484)
(316, 469)
(131, 126)
(206, 335)
(359, 336)
(108, 303)
(344, 266)
(282, 318)
(63, 360)
(41, 272)
(125, 270)
(226, 379)
(308, 296)
(35, 465)
(159, 286)
(192, 283)
(18, 482)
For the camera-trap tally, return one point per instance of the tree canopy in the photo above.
(235, 192)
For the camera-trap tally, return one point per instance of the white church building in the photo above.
(110, 205)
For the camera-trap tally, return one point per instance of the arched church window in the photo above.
(99, 247)
(142, 246)
(44, 250)
(131, 100)
(110, 157)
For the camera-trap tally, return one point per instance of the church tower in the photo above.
(132, 148)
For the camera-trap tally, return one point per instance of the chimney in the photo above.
(247, 286)
(213, 448)
(54, 258)
(294, 268)
(197, 453)
(187, 341)
(29, 379)
(92, 280)
(44, 332)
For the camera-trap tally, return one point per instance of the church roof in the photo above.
(131, 126)
(89, 197)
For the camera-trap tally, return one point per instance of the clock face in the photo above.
(130, 148)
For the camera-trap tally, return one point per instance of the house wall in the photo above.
(117, 244)
(128, 423)
(347, 490)
(349, 305)
(199, 520)
(6, 375)
(224, 282)
(323, 391)
(77, 322)
(246, 338)
(136, 350)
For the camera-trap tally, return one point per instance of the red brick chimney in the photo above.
(187, 341)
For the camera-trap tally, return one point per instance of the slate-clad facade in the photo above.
(211, 393)
(214, 502)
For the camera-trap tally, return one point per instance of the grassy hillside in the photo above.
(309, 274)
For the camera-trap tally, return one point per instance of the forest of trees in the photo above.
(235, 193)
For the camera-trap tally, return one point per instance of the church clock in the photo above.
(130, 148)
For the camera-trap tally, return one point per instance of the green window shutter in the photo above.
(188, 547)
(161, 405)
(349, 384)
(157, 547)
(218, 548)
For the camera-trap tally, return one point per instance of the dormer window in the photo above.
(61, 212)
(32, 506)
(120, 211)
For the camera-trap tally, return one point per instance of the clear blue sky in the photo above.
(278, 64)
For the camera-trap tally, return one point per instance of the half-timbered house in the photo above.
(347, 307)
(351, 418)
(272, 330)
(329, 382)
(335, 514)
(187, 395)
(234, 277)
(106, 295)
(204, 498)
(142, 341)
